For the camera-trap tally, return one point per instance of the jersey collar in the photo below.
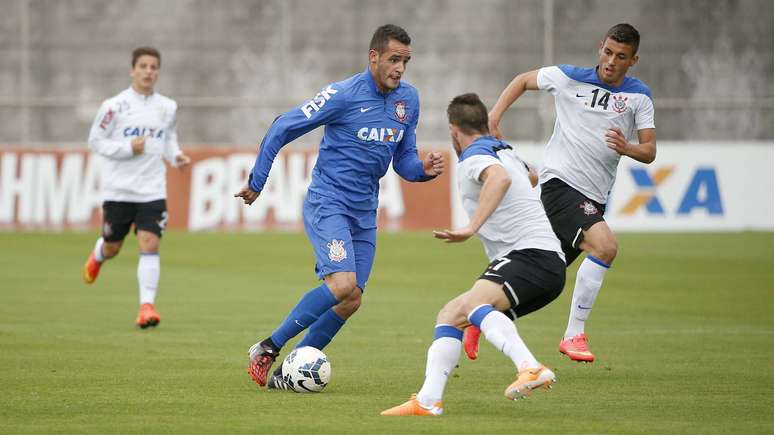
(483, 146)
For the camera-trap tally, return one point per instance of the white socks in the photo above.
(442, 357)
(98, 250)
(591, 273)
(501, 332)
(148, 270)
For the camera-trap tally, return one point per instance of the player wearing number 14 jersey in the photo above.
(598, 112)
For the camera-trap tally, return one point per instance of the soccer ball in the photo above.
(307, 370)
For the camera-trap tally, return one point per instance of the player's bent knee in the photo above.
(110, 250)
(343, 285)
(453, 313)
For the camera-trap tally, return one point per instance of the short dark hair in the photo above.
(145, 51)
(625, 34)
(383, 34)
(469, 114)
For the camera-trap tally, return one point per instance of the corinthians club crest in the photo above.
(619, 103)
(336, 250)
(400, 110)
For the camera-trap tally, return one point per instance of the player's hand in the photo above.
(138, 145)
(182, 161)
(454, 236)
(433, 164)
(247, 194)
(494, 127)
(616, 141)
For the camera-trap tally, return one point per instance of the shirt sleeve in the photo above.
(101, 131)
(406, 160)
(325, 108)
(171, 146)
(473, 166)
(550, 79)
(644, 118)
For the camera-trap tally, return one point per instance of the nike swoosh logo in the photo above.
(584, 308)
(490, 274)
(579, 95)
(366, 109)
(299, 324)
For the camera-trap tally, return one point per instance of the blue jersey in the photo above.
(364, 130)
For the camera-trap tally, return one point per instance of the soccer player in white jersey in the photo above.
(598, 112)
(527, 268)
(133, 132)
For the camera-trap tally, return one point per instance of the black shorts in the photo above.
(118, 217)
(570, 213)
(531, 278)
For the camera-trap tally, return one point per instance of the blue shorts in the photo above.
(338, 237)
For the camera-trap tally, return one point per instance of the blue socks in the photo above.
(323, 330)
(311, 306)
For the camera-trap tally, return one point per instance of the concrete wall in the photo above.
(234, 65)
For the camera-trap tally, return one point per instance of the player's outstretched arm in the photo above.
(521, 83)
(644, 152)
(496, 183)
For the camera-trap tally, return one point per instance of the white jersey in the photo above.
(519, 221)
(125, 176)
(585, 109)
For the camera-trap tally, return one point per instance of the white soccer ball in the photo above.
(307, 370)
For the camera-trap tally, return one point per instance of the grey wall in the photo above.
(234, 65)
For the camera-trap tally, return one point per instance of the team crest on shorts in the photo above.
(400, 110)
(336, 251)
(619, 103)
(107, 229)
(589, 208)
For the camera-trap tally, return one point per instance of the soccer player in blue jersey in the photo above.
(599, 111)
(370, 119)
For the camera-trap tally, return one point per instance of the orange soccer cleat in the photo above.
(147, 316)
(577, 348)
(528, 380)
(470, 341)
(261, 359)
(413, 407)
(91, 269)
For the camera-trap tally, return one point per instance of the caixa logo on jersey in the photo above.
(143, 132)
(370, 134)
(689, 191)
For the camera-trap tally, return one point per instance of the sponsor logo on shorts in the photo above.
(336, 251)
(589, 208)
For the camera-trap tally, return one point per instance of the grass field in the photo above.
(683, 331)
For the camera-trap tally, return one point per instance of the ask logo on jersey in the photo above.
(319, 100)
(371, 134)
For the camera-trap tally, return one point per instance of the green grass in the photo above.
(683, 331)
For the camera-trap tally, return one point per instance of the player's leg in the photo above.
(601, 246)
(332, 243)
(328, 325)
(116, 221)
(149, 225)
(579, 223)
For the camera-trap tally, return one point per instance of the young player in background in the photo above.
(133, 132)
(370, 119)
(527, 268)
(598, 112)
